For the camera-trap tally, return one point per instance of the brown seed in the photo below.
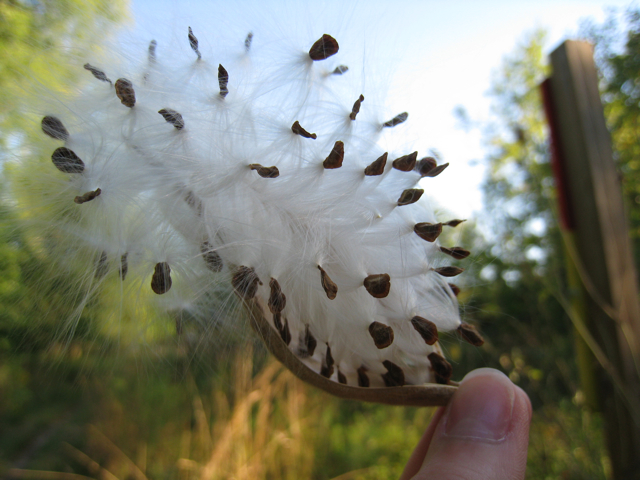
(356, 107)
(124, 266)
(328, 357)
(330, 288)
(427, 329)
(455, 289)
(152, 51)
(327, 365)
(102, 267)
(308, 342)
(277, 321)
(212, 260)
(223, 81)
(277, 299)
(323, 48)
(449, 271)
(67, 161)
(172, 117)
(87, 197)
(341, 378)
(363, 379)
(285, 333)
(336, 156)
(456, 252)
(377, 167)
(124, 91)
(470, 334)
(340, 69)
(397, 120)
(425, 165)
(406, 163)
(245, 282)
(53, 127)
(441, 368)
(161, 278)
(394, 376)
(378, 285)
(453, 223)
(265, 172)
(248, 40)
(193, 41)
(436, 171)
(409, 196)
(99, 74)
(298, 130)
(428, 231)
(382, 334)
(194, 202)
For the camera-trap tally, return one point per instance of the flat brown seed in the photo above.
(212, 260)
(53, 127)
(323, 48)
(193, 42)
(356, 107)
(470, 334)
(298, 130)
(341, 378)
(102, 267)
(436, 171)
(277, 299)
(382, 334)
(455, 289)
(161, 278)
(67, 161)
(124, 266)
(330, 288)
(406, 163)
(223, 80)
(124, 91)
(441, 368)
(99, 74)
(245, 282)
(277, 322)
(409, 196)
(377, 167)
(248, 40)
(328, 357)
(425, 165)
(427, 329)
(285, 333)
(340, 69)
(449, 271)
(453, 223)
(152, 51)
(394, 376)
(172, 117)
(378, 285)
(363, 379)
(87, 197)
(336, 156)
(456, 252)
(397, 120)
(265, 172)
(309, 342)
(326, 371)
(428, 231)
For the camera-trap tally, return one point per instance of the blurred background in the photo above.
(87, 402)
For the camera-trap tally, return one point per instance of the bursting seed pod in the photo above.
(278, 195)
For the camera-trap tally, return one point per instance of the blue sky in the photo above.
(435, 55)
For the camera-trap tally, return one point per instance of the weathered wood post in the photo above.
(592, 211)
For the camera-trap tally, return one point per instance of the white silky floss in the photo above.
(256, 169)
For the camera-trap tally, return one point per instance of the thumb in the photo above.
(482, 434)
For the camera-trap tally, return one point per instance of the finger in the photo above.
(483, 433)
(417, 457)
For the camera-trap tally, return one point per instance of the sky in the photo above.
(435, 56)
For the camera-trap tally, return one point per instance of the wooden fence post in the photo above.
(592, 209)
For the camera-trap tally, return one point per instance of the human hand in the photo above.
(482, 434)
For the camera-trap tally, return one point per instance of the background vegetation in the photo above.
(76, 404)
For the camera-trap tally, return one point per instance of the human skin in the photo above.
(483, 433)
